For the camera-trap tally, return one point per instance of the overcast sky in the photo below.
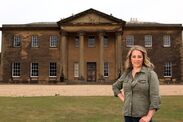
(28, 11)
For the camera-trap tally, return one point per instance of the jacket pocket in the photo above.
(142, 85)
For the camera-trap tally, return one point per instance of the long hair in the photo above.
(146, 60)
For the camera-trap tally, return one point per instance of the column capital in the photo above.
(101, 33)
(118, 33)
(63, 33)
(81, 33)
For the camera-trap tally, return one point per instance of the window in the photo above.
(76, 41)
(34, 69)
(53, 41)
(129, 41)
(53, 69)
(168, 69)
(76, 70)
(166, 41)
(34, 41)
(106, 41)
(91, 41)
(16, 69)
(106, 69)
(16, 41)
(148, 40)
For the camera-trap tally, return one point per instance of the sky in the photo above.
(28, 11)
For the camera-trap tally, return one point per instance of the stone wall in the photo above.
(44, 54)
(159, 54)
(25, 54)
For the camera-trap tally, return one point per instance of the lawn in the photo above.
(79, 109)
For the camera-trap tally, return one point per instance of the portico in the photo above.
(92, 23)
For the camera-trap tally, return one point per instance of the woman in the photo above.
(138, 87)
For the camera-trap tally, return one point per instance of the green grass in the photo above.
(79, 109)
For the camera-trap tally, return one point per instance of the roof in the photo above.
(36, 25)
(152, 25)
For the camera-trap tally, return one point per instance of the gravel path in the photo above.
(74, 90)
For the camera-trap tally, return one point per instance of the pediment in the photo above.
(91, 16)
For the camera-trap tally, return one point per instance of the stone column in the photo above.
(81, 55)
(101, 64)
(118, 54)
(64, 54)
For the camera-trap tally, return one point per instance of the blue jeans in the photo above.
(132, 119)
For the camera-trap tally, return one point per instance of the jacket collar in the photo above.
(143, 69)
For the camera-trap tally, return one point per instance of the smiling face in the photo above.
(136, 59)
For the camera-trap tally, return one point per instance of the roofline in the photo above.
(128, 26)
(135, 26)
(153, 24)
(30, 27)
(153, 28)
(125, 28)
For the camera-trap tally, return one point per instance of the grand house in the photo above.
(89, 47)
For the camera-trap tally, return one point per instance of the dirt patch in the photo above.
(74, 90)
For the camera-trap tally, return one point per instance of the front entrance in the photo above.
(91, 71)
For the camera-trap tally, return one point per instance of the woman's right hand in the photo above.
(121, 95)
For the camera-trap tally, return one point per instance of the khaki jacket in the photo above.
(141, 93)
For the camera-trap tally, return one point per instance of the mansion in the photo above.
(89, 47)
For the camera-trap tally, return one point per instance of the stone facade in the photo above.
(159, 54)
(91, 58)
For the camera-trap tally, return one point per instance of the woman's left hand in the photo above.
(145, 119)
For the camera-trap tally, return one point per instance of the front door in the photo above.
(91, 71)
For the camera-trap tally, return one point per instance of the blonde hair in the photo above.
(146, 60)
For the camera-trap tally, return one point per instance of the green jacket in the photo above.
(141, 93)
